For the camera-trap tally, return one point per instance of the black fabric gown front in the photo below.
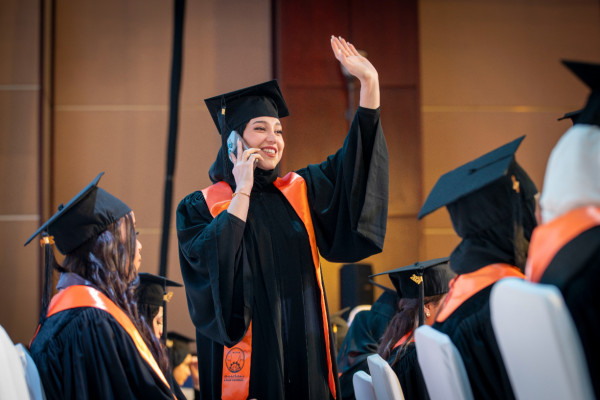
(263, 270)
(575, 270)
(84, 353)
(362, 340)
(470, 329)
(409, 372)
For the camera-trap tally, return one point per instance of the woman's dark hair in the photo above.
(404, 321)
(107, 261)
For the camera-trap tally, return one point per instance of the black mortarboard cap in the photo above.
(470, 177)
(420, 280)
(178, 346)
(589, 73)
(85, 216)
(573, 116)
(231, 109)
(152, 289)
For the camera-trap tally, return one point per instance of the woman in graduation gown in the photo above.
(397, 345)
(565, 249)
(492, 207)
(90, 342)
(250, 244)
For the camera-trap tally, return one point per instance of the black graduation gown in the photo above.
(362, 340)
(470, 329)
(409, 372)
(84, 353)
(575, 270)
(263, 270)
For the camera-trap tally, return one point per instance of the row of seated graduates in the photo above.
(505, 232)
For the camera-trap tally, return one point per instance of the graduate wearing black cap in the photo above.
(421, 288)
(492, 207)
(91, 342)
(362, 338)
(565, 249)
(152, 296)
(250, 244)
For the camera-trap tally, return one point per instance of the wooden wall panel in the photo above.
(491, 72)
(19, 216)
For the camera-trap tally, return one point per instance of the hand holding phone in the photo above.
(232, 144)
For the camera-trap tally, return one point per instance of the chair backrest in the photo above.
(356, 310)
(32, 377)
(385, 381)
(442, 366)
(538, 341)
(12, 375)
(363, 386)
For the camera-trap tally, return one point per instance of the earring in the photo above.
(427, 313)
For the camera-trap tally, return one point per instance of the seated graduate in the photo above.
(152, 298)
(362, 338)
(91, 342)
(492, 207)
(565, 249)
(421, 288)
(185, 365)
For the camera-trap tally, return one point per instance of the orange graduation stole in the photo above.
(85, 296)
(463, 286)
(549, 238)
(236, 360)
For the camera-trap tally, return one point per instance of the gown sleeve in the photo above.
(348, 192)
(214, 267)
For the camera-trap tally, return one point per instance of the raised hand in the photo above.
(361, 68)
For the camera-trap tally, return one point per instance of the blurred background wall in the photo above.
(84, 88)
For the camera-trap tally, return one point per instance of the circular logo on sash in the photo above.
(234, 361)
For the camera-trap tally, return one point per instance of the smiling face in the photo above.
(265, 134)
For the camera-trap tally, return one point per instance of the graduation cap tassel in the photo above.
(48, 266)
(520, 244)
(422, 301)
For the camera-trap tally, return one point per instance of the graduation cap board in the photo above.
(152, 289)
(86, 215)
(470, 177)
(573, 116)
(420, 280)
(589, 74)
(234, 108)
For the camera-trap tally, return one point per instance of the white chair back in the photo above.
(442, 366)
(356, 310)
(363, 386)
(12, 375)
(538, 341)
(32, 376)
(385, 381)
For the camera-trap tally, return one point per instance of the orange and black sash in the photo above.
(85, 296)
(463, 286)
(549, 238)
(293, 187)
